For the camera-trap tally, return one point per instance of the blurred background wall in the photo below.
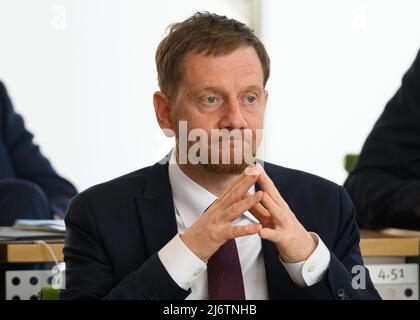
(82, 74)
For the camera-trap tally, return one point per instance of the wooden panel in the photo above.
(389, 243)
(397, 247)
(30, 252)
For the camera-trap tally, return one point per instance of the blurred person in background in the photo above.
(29, 186)
(385, 181)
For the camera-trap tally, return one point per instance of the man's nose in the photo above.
(233, 116)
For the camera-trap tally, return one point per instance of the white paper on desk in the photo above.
(12, 234)
(40, 225)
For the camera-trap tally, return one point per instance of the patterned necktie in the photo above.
(224, 274)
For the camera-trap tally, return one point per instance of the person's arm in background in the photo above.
(27, 161)
(384, 199)
(385, 182)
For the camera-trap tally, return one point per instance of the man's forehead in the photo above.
(244, 55)
(242, 64)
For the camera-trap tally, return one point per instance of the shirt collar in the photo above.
(190, 198)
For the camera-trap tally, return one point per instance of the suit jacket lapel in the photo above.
(156, 209)
(273, 269)
(278, 280)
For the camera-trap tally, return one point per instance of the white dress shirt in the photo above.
(189, 271)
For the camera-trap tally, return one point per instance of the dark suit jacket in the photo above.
(21, 158)
(114, 231)
(385, 182)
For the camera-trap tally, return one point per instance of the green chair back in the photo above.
(49, 293)
(350, 161)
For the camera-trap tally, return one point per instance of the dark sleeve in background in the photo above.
(26, 160)
(385, 182)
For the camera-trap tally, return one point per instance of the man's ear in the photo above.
(162, 106)
(265, 98)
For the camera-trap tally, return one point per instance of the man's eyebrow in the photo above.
(211, 89)
(254, 88)
(248, 88)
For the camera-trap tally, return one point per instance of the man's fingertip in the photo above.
(252, 171)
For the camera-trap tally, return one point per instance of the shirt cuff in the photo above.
(181, 263)
(311, 271)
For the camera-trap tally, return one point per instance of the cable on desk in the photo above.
(58, 270)
(42, 242)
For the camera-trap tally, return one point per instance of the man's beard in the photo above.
(225, 168)
(230, 165)
(226, 162)
(219, 151)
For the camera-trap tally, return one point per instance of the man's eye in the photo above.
(210, 100)
(250, 99)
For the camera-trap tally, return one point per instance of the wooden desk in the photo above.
(30, 252)
(390, 243)
(384, 243)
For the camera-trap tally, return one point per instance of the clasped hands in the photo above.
(277, 222)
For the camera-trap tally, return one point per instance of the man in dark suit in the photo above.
(29, 186)
(212, 224)
(385, 181)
